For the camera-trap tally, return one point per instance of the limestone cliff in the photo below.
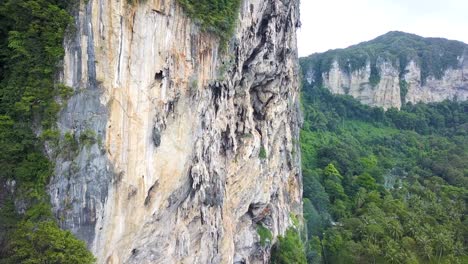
(393, 69)
(177, 150)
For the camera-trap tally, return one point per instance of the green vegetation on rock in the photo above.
(403, 91)
(262, 154)
(216, 16)
(88, 137)
(384, 187)
(433, 55)
(265, 235)
(45, 242)
(289, 249)
(31, 37)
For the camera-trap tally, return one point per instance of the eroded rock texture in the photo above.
(166, 134)
(387, 93)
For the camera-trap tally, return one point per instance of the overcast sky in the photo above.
(331, 24)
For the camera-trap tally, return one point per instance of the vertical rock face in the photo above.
(453, 85)
(387, 93)
(393, 69)
(177, 151)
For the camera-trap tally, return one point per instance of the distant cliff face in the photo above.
(177, 150)
(387, 80)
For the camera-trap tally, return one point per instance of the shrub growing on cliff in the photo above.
(88, 137)
(262, 154)
(289, 249)
(216, 16)
(264, 234)
(403, 91)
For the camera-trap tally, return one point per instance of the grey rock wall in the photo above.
(163, 136)
(387, 93)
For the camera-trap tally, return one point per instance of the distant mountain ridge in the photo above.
(393, 69)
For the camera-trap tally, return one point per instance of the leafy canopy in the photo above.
(384, 187)
(31, 37)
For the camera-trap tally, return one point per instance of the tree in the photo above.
(314, 251)
(330, 172)
(289, 249)
(332, 183)
(366, 181)
(394, 229)
(46, 243)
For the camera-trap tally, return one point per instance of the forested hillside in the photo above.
(31, 37)
(434, 55)
(384, 187)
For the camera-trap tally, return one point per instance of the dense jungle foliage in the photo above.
(289, 249)
(31, 37)
(384, 187)
(433, 55)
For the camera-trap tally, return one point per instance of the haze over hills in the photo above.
(393, 69)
